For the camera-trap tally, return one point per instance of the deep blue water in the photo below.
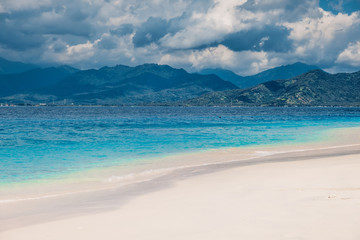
(43, 142)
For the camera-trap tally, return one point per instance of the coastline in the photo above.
(64, 208)
(107, 178)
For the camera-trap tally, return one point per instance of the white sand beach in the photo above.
(299, 194)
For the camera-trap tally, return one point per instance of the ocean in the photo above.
(41, 143)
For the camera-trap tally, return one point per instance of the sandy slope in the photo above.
(318, 198)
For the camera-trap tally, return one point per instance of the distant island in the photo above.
(296, 84)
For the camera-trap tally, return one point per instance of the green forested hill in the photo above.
(315, 88)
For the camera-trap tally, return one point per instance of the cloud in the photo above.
(198, 59)
(268, 38)
(14, 38)
(122, 30)
(58, 23)
(288, 10)
(23, 28)
(320, 40)
(75, 53)
(343, 6)
(107, 42)
(351, 55)
(24, 5)
(203, 28)
(245, 36)
(150, 31)
(243, 63)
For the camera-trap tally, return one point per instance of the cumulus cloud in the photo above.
(206, 27)
(213, 56)
(245, 36)
(351, 55)
(243, 62)
(320, 40)
(73, 53)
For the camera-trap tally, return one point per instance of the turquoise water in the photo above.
(45, 142)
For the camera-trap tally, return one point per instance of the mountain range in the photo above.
(152, 84)
(314, 88)
(121, 85)
(11, 67)
(282, 72)
(33, 80)
(144, 84)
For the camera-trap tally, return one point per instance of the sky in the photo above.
(245, 36)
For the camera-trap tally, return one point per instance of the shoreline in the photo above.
(169, 170)
(25, 214)
(98, 179)
(298, 195)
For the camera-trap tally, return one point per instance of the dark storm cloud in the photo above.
(108, 43)
(15, 37)
(19, 41)
(58, 46)
(269, 38)
(63, 27)
(21, 30)
(151, 31)
(60, 22)
(123, 30)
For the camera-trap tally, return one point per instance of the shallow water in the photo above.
(50, 142)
